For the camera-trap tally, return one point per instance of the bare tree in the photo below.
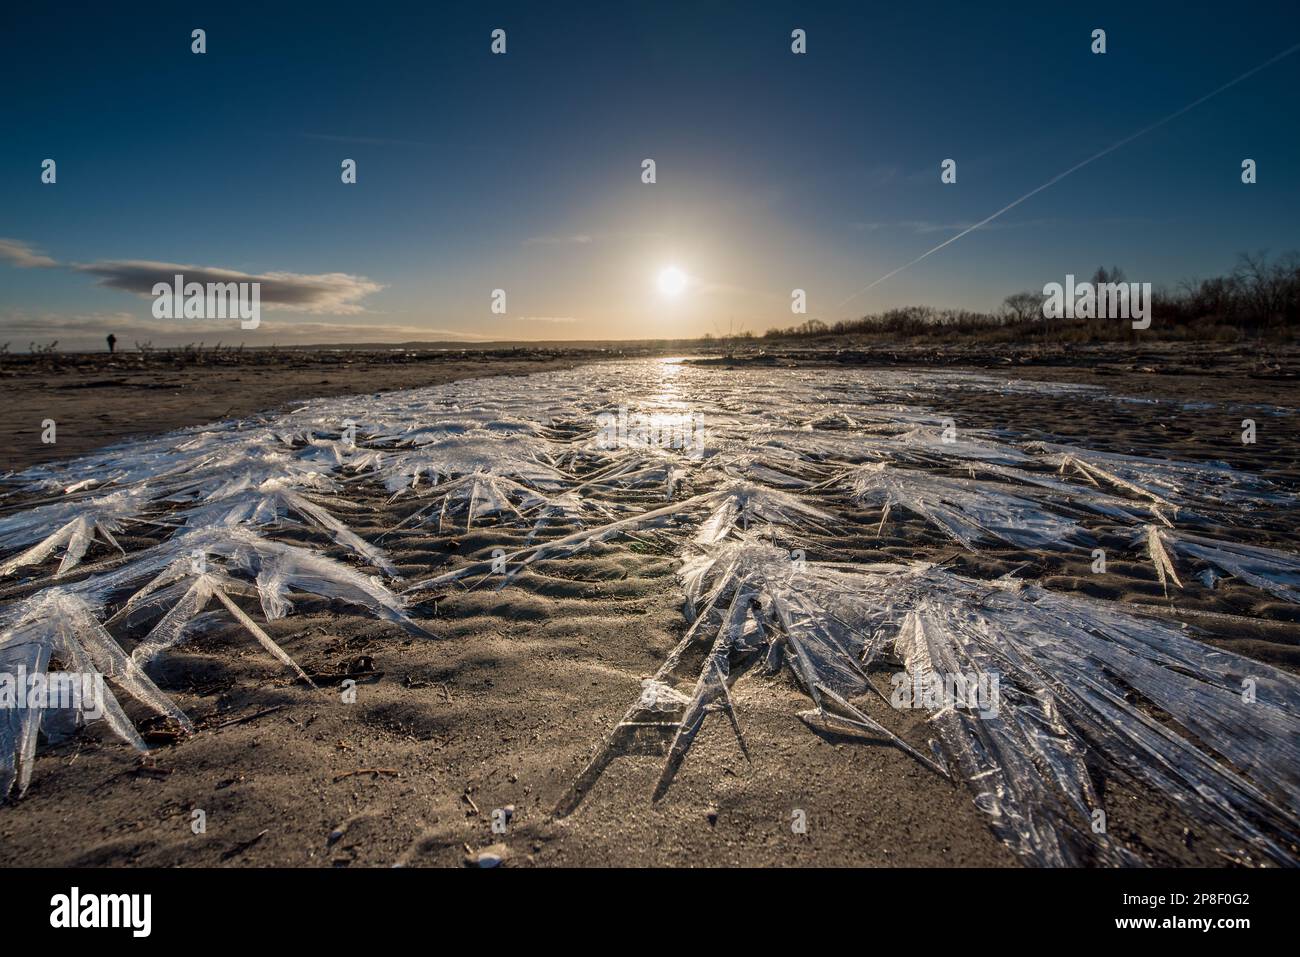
(1101, 276)
(1023, 306)
(1263, 284)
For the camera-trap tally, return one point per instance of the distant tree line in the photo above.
(1261, 296)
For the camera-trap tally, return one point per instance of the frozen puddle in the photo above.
(758, 480)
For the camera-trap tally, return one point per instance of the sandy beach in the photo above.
(513, 698)
(97, 399)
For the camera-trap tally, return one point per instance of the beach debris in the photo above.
(242, 846)
(492, 856)
(373, 772)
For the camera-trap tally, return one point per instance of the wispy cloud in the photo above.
(333, 293)
(363, 140)
(874, 176)
(545, 319)
(575, 239)
(21, 254)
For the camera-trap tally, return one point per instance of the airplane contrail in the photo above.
(1077, 166)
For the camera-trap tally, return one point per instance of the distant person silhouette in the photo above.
(112, 342)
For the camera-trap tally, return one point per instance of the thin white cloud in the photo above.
(578, 239)
(21, 254)
(544, 319)
(333, 293)
(363, 140)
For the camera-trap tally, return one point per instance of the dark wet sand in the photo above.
(104, 401)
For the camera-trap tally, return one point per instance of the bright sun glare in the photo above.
(672, 282)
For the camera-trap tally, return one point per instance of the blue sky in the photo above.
(522, 172)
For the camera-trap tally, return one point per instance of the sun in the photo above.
(672, 282)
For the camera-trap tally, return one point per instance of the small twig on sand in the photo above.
(145, 766)
(470, 801)
(249, 717)
(375, 771)
(240, 848)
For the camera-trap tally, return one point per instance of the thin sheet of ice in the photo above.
(784, 454)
